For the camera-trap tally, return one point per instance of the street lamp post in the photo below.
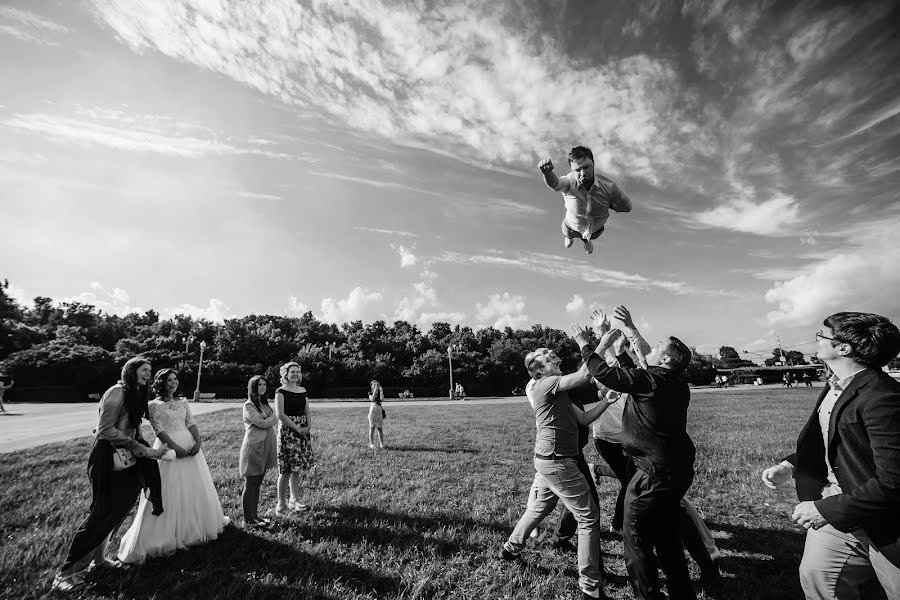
(450, 349)
(199, 370)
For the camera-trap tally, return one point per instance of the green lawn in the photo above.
(423, 519)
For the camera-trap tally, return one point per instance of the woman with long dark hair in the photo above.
(193, 511)
(115, 486)
(258, 452)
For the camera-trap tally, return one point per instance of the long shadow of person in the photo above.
(242, 564)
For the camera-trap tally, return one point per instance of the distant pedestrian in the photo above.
(786, 378)
(3, 388)
(258, 451)
(376, 414)
(807, 379)
(295, 452)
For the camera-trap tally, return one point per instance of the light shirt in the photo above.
(825, 409)
(557, 430)
(587, 210)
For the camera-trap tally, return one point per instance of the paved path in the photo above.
(31, 424)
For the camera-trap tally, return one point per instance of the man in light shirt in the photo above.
(847, 463)
(588, 197)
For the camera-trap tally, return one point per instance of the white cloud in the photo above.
(114, 301)
(769, 217)
(478, 77)
(576, 305)
(19, 295)
(256, 195)
(28, 26)
(296, 307)
(555, 266)
(351, 308)
(502, 310)
(864, 277)
(390, 232)
(142, 133)
(216, 311)
(407, 258)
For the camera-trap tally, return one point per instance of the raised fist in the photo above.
(546, 165)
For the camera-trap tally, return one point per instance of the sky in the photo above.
(378, 160)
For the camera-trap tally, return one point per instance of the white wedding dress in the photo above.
(192, 512)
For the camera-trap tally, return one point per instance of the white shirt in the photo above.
(587, 210)
(825, 409)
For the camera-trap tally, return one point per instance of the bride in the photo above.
(192, 512)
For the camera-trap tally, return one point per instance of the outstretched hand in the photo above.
(546, 166)
(623, 315)
(601, 321)
(607, 340)
(580, 335)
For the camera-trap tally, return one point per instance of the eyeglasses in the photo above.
(821, 335)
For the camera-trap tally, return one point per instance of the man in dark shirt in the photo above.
(655, 437)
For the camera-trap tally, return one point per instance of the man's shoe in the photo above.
(563, 546)
(509, 556)
(588, 246)
(567, 242)
(602, 596)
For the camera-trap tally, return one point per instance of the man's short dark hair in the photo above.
(874, 341)
(580, 152)
(679, 354)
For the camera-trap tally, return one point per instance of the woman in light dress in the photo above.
(258, 450)
(193, 513)
(376, 414)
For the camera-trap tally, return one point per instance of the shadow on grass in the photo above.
(243, 564)
(431, 534)
(769, 562)
(443, 449)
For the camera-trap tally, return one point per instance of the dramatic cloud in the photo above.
(502, 310)
(772, 217)
(352, 308)
(863, 276)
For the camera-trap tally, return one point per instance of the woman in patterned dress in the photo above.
(294, 448)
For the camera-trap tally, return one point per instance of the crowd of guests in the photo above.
(629, 396)
(178, 505)
(847, 461)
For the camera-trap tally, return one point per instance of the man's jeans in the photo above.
(561, 479)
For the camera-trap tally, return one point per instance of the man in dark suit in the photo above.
(847, 463)
(654, 436)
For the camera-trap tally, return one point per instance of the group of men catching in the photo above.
(847, 461)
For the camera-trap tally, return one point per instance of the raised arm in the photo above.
(586, 417)
(638, 343)
(574, 380)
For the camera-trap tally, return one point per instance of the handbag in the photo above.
(123, 458)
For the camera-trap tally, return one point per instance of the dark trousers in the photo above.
(652, 512)
(250, 497)
(566, 526)
(612, 453)
(109, 507)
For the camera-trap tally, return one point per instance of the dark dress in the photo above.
(294, 450)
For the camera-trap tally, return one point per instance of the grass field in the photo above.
(421, 520)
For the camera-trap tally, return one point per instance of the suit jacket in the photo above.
(864, 450)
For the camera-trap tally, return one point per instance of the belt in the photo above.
(553, 456)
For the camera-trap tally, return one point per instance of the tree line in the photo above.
(74, 346)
